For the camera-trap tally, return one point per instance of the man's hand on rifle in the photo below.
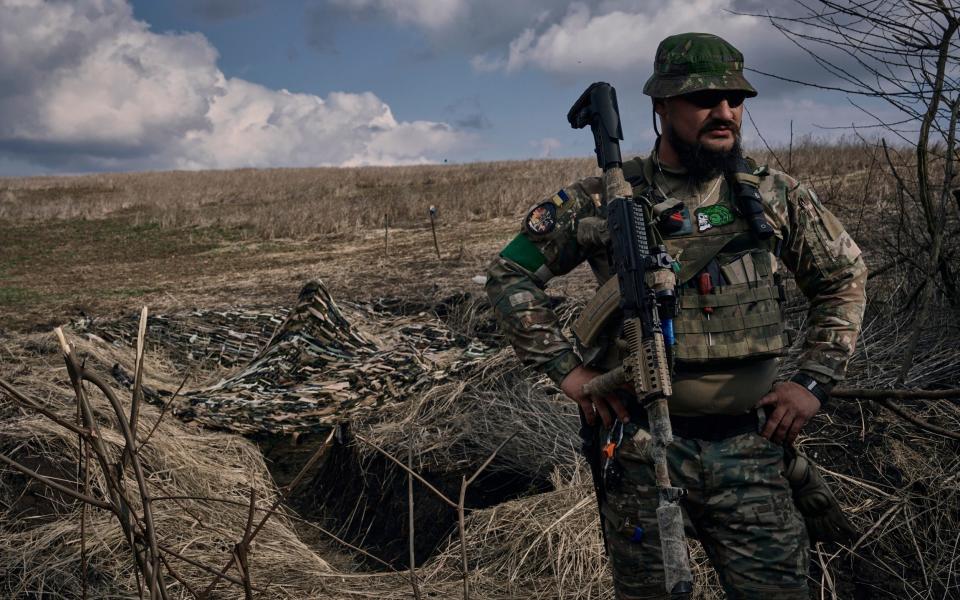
(608, 407)
(791, 407)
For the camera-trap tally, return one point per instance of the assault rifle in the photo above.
(646, 367)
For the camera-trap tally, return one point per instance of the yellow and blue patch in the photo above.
(542, 219)
(560, 198)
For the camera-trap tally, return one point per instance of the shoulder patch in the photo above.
(542, 219)
(560, 198)
(522, 251)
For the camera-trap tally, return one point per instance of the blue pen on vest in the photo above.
(668, 337)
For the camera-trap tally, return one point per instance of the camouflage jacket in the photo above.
(568, 228)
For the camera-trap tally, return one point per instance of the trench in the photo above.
(364, 500)
(363, 497)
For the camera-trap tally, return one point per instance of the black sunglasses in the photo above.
(711, 98)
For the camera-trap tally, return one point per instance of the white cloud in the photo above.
(252, 126)
(620, 40)
(84, 85)
(579, 36)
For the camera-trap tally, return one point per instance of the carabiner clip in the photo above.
(610, 446)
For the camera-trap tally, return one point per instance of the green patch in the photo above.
(718, 214)
(522, 251)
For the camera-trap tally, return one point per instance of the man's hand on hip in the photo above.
(608, 407)
(792, 407)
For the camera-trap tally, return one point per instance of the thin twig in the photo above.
(411, 522)
(415, 475)
(870, 394)
(289, 515)
(762, 139)
(54, 485)
(284, 493)
(173, 573)
(138, 375)
(20, 399)
(163, 411)
(889, 404)
(219, 574)
(461, 519)
(241, 550)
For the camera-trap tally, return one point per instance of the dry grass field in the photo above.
(228, 251)
(103, 244)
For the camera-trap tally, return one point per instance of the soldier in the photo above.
(731, 420)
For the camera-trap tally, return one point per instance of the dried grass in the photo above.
(899, 484)
(41, 546)
(298, 203)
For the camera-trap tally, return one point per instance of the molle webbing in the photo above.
(749, 347)
(724, 324)
(730, 295)
(746, 321)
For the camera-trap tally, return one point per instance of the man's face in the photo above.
(710, 119)
(703, 130)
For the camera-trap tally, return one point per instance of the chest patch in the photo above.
(542, 219)
(676, 222)
(716, 215)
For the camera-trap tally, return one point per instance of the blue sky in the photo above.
(102, 85)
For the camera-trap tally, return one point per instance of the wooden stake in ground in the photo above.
(433, 227)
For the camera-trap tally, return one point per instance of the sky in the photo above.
(130, 85)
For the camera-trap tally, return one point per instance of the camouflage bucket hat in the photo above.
(692, 62)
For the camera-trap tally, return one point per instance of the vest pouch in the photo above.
(741, 319)
(740, 270)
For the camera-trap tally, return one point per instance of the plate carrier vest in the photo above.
(746, 322)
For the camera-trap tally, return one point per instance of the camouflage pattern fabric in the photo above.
(318, 363)
(822, 256)
(739, 506)
(693, 62)
(515, 282)
(828, 269)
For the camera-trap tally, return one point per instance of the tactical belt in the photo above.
(710, 428)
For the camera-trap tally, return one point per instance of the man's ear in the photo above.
(659, 110)
(660, 106)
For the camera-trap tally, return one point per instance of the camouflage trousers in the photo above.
(739, 506)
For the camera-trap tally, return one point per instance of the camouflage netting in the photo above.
(314, 370)
(458, 396)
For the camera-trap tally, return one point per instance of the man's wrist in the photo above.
(815, 387)
(558, 368)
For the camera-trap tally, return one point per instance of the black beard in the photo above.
(703, 164)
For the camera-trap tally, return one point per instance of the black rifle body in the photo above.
(646, 367)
